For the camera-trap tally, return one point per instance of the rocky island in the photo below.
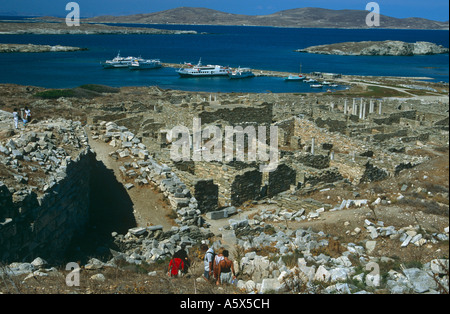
(299, 18)
(5, 48)
(60, 28)
(377, 48)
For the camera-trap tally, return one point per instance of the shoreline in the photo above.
(30, 48)
(273, 73)
(358, 86)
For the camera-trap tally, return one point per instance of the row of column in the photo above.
(361, 109)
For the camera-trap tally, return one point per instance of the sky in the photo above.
(429, 9)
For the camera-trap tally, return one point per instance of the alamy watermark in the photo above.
(214, 144)
(373, 18)
(73, 278)
(73, 18)
(373, 279)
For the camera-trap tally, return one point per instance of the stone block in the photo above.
(270, 286)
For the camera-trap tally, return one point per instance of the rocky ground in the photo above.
(383, 236)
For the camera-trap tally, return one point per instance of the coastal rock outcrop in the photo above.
(5, 48)
(61, 28)
(381, 48)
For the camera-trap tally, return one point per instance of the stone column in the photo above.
(380, 107)
(363, 110)
(345, 107)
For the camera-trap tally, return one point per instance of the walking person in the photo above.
(176, 267)
(16, 118)
(217, 259)
(208, 261)
(182, 254)
(27, 115)
(226, 273)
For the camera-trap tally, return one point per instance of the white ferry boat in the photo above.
(204, 70)
(142, 64)
(130, 62)
(118, 62)
(240, 73)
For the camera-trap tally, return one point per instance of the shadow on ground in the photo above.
(111, 210)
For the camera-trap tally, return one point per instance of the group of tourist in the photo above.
(218, 267)
(26, 117)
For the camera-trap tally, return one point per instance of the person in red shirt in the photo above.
(176, 266)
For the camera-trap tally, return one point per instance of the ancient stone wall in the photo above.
(207, 195)
(236, 114)
(246, 186)
(395, 117)
(32, 225)
(281, 180)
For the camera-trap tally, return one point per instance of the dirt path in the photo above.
(147, 206)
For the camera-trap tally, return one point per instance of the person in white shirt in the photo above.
(208, 261)
(27, 117)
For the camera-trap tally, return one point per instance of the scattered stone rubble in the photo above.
(46, 148)
(350, 271)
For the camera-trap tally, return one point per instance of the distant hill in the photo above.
(302, 18)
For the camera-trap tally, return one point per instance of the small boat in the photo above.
(241, 73)
(142, 64)
(294, 78)
(298, 77)
(310, 80)
(334, 85)
(316, 85)
(326, 83)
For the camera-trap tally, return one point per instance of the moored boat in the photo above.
(142, 64)
(118, 62)
(298, 77)
(204, 70)
(291, 77)
(241, 73)
(131, 62)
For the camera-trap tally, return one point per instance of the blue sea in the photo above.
(265, 48)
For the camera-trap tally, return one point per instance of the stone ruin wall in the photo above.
(260, 113)
(32, 225)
